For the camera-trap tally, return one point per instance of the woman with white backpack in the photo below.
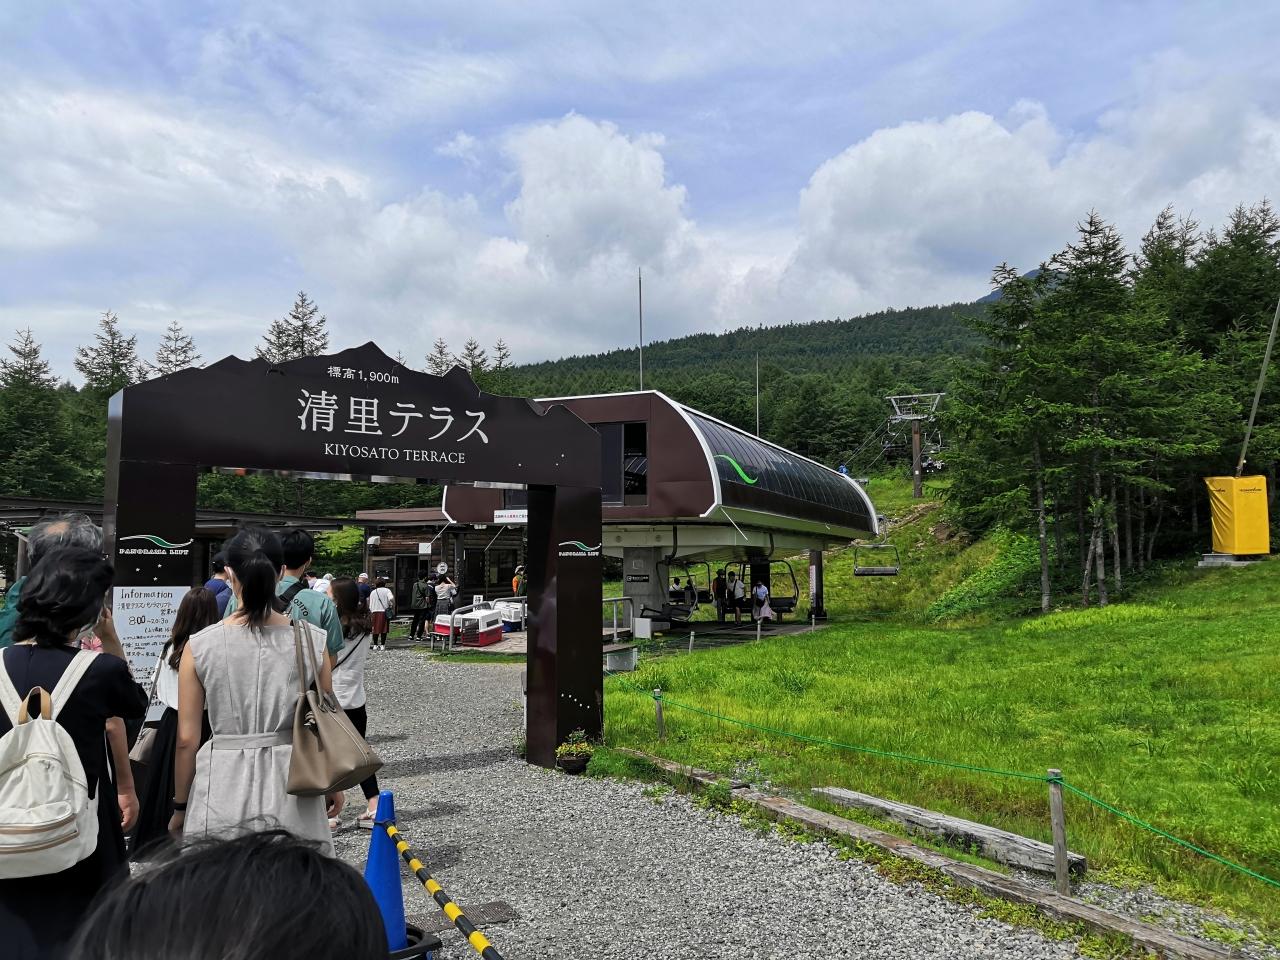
(57, 847)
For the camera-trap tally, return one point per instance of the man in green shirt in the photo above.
(303, 602)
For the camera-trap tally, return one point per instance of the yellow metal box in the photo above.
(1241, 525)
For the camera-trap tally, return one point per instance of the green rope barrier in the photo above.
(1166, 835)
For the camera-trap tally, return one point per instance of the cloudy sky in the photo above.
(501, 169)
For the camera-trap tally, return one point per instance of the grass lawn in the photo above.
(1167, 706)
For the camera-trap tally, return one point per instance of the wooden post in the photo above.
(917, 476)
(1057, 816)
(691, 641)
(657, 708)
(758, 622)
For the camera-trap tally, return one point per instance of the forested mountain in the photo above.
(822, 384)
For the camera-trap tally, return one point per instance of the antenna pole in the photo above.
(1257, 394)
(640, 305)
(757, 393)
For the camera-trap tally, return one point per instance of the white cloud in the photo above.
(183, 215)
(462, 146)
(77, 163)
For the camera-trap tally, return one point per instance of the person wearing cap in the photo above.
(365, 588)
(517, 582)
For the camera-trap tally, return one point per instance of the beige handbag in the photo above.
(329, 755)
(145, 745)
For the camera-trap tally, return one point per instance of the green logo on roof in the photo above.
(158, 541)
(736, 466)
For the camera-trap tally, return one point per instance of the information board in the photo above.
(144, 616)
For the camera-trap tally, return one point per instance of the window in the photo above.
(472, 573)
(624, 463)
(610, 463)
(502, 568)
(635, 463)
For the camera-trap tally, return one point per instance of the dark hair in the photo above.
(256, 897)
(380, 582)
(352, 614)
(198, 609)
(255, 557)
(299, 547)
(218, 564)
(64, 592)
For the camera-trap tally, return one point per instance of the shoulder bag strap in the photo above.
(297, 658)
(285, 600)
(311, 656)
(347, 655)
(70, 677)
(9, 698)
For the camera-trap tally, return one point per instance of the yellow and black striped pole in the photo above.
(479, 942)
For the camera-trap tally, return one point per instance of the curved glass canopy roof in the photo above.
(756, 475)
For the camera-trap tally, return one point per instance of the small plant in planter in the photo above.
(573, 755)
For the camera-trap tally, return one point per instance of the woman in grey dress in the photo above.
(245, 672)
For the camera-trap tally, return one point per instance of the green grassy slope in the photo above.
(1167, 705)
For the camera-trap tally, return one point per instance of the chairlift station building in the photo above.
(680, 490)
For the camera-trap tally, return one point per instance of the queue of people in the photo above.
(218, 763)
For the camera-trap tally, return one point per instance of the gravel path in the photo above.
(597, 869)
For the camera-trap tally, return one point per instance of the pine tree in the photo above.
(498, 378)
(301, 333)
(28, 368)
(177, 351)
(38, 459)
(501, 356)
(473, 358)
(440, 361)
(111, 362)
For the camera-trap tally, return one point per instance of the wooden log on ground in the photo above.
(998, 845)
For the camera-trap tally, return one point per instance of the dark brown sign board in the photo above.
(360, 414)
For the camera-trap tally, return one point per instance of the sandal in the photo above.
(333, 823)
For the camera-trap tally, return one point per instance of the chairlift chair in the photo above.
(886, 554)
(785, 604)
(780, 604)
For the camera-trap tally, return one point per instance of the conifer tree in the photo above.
(176, 351)
(440, 361)
(111, 361)
(501, 355)
(473, 358)
(497, 379)
(300, 333)
(38, 459)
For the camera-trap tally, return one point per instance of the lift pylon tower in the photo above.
(916, 409)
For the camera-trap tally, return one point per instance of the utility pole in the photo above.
(1257, 395)
(917, 481)
(757, 393)
(916, 408)
(640, 304)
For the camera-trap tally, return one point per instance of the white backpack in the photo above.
(47, 821)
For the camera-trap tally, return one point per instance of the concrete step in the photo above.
(1223, 560)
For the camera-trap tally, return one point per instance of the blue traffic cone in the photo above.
(382, 873)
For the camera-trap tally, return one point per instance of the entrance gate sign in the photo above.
(358, 414)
